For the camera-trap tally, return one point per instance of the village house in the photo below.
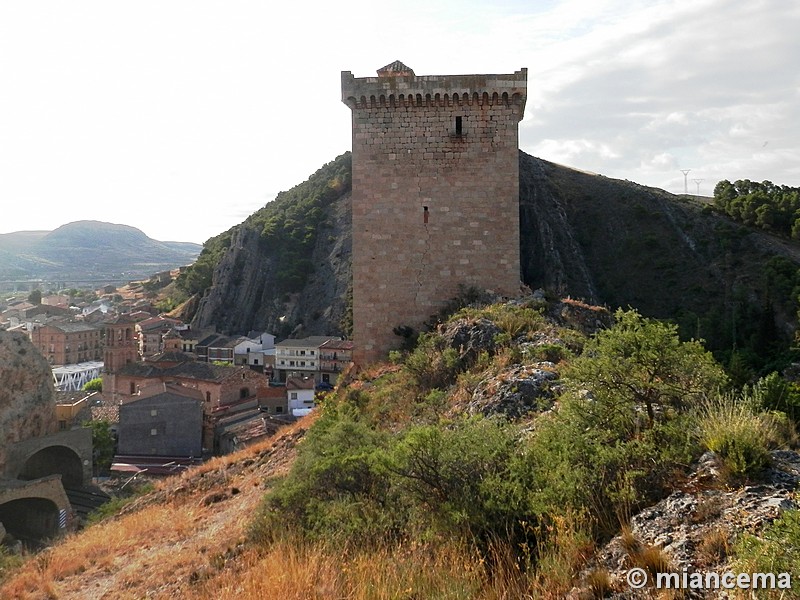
(165, 421)
(300, 395)
(225, 390)
(74, 408)
(222, 350)
(334, 357)
(68, 343)
(60, 300)
(274, 401)
(150, 334)
(299, 357)
(256, 350)
(216, 341)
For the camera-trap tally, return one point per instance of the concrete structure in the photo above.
(66, 453)
(167, 424)
(435, 195)
(34, 510)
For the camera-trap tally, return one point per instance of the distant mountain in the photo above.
(89, 250)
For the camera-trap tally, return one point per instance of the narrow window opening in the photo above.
(459, 126)
(425, 215)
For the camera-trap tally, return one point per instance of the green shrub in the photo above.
(775, 550)
(336, 487)
(731, 426)
(455, 479)
(93, 385)
(641, 364)
(574, 462)
(432, 364)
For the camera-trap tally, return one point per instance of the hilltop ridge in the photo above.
(89, 249)
(607, 241)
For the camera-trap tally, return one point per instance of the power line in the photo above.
(685, 181)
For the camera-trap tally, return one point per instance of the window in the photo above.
(278, 409)
(244, 393)
(133, 388)
(459, 125)
(302, 352)
(154, 431)
(208, 396)
(255, 361)
(293, 395)
(154, 413)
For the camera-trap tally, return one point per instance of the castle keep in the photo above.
(435, 195)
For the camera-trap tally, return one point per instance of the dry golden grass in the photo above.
(173, 544)
(158, 543)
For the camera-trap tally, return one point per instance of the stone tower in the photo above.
(435, 195)
(120, 349)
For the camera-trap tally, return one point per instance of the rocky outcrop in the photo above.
(246, 297)
(515, 392)
(470, 337)
(693, 527)
(27, 396)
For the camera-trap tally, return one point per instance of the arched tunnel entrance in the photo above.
(30, 520)
(55, 460)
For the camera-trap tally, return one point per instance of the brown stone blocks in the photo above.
(449, 144)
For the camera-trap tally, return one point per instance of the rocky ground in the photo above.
(693, 528)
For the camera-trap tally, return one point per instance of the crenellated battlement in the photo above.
(435, 90)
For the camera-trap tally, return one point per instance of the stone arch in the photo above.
(54, 460)
(31, 519)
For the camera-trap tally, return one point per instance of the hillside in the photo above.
(607, 241)
(495, 460)
(89, 250)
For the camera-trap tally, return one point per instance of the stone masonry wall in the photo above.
(435, 197)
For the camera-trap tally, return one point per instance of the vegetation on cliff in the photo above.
(389, 464)
(772, 207)
(418, 478)
(288, 227)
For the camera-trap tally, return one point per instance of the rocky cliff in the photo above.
(27, 399)
(583, 235)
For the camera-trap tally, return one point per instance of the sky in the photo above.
(183, 117)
